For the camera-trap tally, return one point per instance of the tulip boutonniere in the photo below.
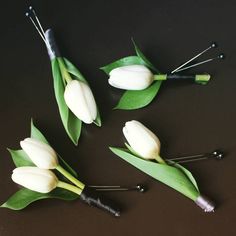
(74, 97)
(143, 152)
(142, 79)
(44, 174)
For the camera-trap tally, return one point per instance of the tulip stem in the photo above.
(65, 75)
(160, 160)
(69, 187)
(70, 177)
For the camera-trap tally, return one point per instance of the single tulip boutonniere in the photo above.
(73, 94)
(143, 152)
(142, 80)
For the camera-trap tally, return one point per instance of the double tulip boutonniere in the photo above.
(143, 152)
(44, 174)
(142, 79)
(74, 97)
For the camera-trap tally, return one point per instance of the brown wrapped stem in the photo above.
(92, 198)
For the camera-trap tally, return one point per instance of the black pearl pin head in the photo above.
(221, 56)
(141, 188)
(214, 45)
(218, 154)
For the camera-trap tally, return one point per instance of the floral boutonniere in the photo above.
(143, 152)
(74, 97)
(44, 174)
(142, 79)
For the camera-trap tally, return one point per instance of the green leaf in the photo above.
(97, 121)
(126, 61)
(131, 150)
(20, 158)
(74, 71)
(169, 175)
(24, 197)
(36, 133)
(138, 98)
(187, 173)
(71, 123)
(144, 58)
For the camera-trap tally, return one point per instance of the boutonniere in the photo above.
(142, 80)
(74, 97)
(143, 152)
(44, 174)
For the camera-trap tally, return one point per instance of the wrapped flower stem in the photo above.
(34, 171)
(74, 97)
(142, 152)
(142, 80)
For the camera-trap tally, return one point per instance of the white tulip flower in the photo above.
(80, 100)
(41, 154)
(142, 140)
(133, 77)
(34, 178)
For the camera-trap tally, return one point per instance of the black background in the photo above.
(188, 118)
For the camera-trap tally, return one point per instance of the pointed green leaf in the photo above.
(187, 172)
(20, 158)
(24, 197)
(71, 123)
(169, 175)
(138, 98)
(144, 58)
(131, 150)
(126, 61)
(36, 133)
(97, 121)
(74, 71)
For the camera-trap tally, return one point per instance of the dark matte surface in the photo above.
(188, 118)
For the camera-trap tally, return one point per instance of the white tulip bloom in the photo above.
(143, 141)
(133, 77)
(80, 100)
(35, 179)
(41, 154)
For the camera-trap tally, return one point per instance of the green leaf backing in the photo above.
(24, 197)
(135, 99)
(70, 122)
(174, 177)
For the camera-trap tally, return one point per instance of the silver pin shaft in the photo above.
(213, 45)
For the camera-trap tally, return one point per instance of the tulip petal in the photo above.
(79, 98)
(40, 153)
(77, 75)
(132, 77)
(142, 140)
(35, 179)
(36, 133)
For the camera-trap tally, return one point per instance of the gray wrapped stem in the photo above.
(204, 203)
(51, 44)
